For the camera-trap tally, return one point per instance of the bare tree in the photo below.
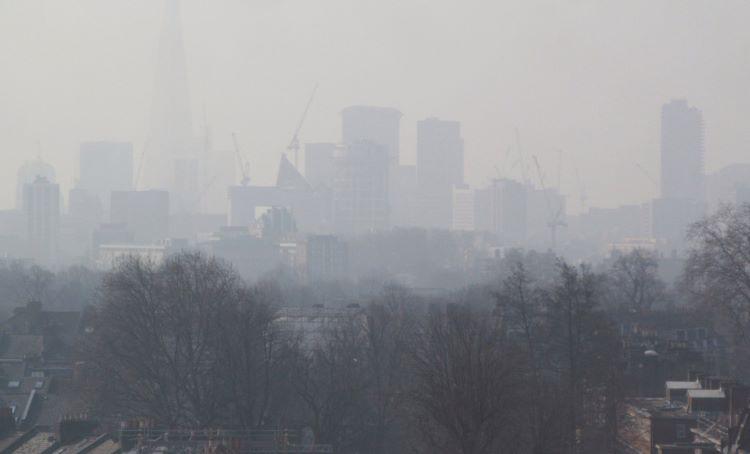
(331, 380)
(254, 358)
(389, 329)
(155, 338)
(583, 351)
(717, 271)
(466, 383)
(636, 287)
(521, 306)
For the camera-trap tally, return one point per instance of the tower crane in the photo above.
(294, 143)
(555, 220)
(648, 175)
(244, 168)
(521, 160)
(582, 191)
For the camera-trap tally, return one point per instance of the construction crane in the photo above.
(521, 160)
(294, 143)
(648, 175)
(244, 168)
(203, 191)
(582, 191)
(555, 214)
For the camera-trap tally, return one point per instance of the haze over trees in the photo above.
(189, 344)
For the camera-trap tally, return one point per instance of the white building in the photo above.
(109, 255)
(463, 208)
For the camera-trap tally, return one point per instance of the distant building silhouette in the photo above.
(381, 126)
(440, 166)
(174, 158)
(727, 185)
(28, 173)
(326, 258)
(682, 150)
(85, 213)
(682, 175)
(145, 213)
(403, 212)
(360, 188)
(41, 204)
(502, 208)
(462, 211)
(319, 163)
(105, 167)
(310, 207)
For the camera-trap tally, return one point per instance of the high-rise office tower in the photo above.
(682, 176)
(145, 213)
(28, 173)
(379, 125)
(105, 167)
(360, 189)
(440, 166)
(319, 164)
(502, 208)
(41, 205)
(174, 157)
(682, 150)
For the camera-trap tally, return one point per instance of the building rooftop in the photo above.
(706, 393)
(22, 346)
(683, 385)
(656, 407)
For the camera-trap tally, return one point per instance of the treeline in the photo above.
(70, 289)
(188, 344)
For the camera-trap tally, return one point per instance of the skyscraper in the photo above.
(502, 208)
(440, 166)
(360, 189)
(319, 163)
(28, 173)
(173, 155)
(106, 167)
(41, 205)
(379, 125)
(682, 150)
(145, 213)
(682, 177)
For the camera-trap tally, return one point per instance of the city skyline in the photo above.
(489, 111)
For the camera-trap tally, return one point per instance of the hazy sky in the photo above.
(584, 77)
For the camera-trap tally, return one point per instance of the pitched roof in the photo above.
(289, 177)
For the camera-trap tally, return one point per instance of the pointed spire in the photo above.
(171, 117)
